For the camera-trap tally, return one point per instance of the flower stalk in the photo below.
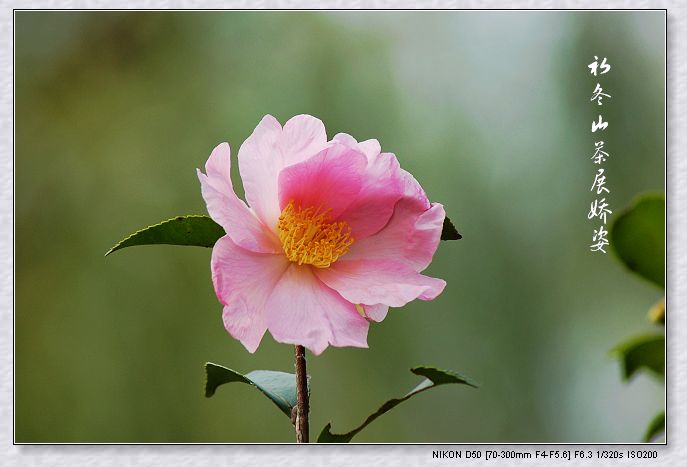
(303, 404)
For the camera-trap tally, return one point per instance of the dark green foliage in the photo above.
(278, 386)
(449, 231)
(180, 230)
(434, 377)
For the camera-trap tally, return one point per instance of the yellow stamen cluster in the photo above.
(308, 236)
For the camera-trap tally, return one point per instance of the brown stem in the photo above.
(303, 405)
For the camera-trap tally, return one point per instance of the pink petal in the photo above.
(412, 234)
(382, 187)
(227, 209)
(303, 137)
(370, 148)
(376, 312)
(303, 311)
(379, 281)
(345, 139)
(330, 180)
(243, 280)
(260, 161)
(267, 151)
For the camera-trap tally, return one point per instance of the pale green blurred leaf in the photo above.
(638, 237)
(642, 352)
(656, 427)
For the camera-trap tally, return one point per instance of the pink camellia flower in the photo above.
(333, 235)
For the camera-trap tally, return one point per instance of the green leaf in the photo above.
(449, 232)
(199, 230)
(656, 427)
(642, 352)
(638, 237)
(278, 386)
(180, 230)
(433, 378)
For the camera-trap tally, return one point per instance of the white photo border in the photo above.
(62, 455)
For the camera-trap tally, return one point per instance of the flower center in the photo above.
(309, 237)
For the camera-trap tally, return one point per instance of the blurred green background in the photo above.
(491, 113)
